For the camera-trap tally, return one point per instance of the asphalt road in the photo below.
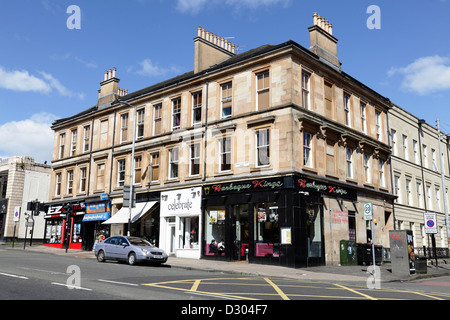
(28, 275)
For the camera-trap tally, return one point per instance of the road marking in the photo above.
(212, 295)
(70, 286)
(195, 285)
(117, 282)
(277, 289)
(357, 292)
(13, 276)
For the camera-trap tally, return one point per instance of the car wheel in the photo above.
(132, 259)
(101, 256)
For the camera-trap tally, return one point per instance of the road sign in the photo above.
(104, 196)
(430, 223)
(368, 211)
(16, 214)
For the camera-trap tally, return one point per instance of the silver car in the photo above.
(130, 249)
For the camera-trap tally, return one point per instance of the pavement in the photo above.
(357, 273)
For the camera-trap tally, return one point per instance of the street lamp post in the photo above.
(130, 206)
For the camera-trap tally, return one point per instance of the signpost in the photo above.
(16, 219)
(430, 219)
(368, 216)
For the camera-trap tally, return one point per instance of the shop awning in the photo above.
(136, 213)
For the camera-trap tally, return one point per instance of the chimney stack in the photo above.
(109, 88)
(210, 49)
(323, 43)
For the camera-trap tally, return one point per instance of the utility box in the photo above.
(402, 252)
(347, 250)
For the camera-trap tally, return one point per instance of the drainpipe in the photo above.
(206, 132)
(112, 152)
(90, 157)
(392, 170)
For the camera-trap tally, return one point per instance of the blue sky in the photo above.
(48, 71)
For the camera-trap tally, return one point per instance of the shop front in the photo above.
(93, 230)
(78, 230)
(63, 230)
(180, 224)
(141, 219)
(276, 220)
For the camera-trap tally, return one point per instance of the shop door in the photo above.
(172, 238)
(314, 234)
(241, 232)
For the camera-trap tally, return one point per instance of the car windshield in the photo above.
(139, 242)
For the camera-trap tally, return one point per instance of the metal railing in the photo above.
(441, 253)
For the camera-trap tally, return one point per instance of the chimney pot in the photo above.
(106, 76)
(114, 72)
(199, 32)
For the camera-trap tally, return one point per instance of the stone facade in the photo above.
(291, 113)
(22, 181)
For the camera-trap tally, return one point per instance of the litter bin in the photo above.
(421, 264)
(364, 254)
(348, 255)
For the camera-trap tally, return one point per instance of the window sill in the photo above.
(261, 168)
(197, 176)
(223, 173)
(351, 180)
(308, 169)
(368, 185)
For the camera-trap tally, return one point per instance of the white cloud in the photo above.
(194, 6)
(31, 137)
(22, 80)
(425, 75)
(149, 69)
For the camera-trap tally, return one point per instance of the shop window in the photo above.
(214, 227)
(314, 231)
(189, 239)
(352, 225)
(267, 230)
(54, 231)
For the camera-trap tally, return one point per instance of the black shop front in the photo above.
(276, 220)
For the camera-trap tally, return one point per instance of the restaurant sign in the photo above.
(324, 188)
(248, 185)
